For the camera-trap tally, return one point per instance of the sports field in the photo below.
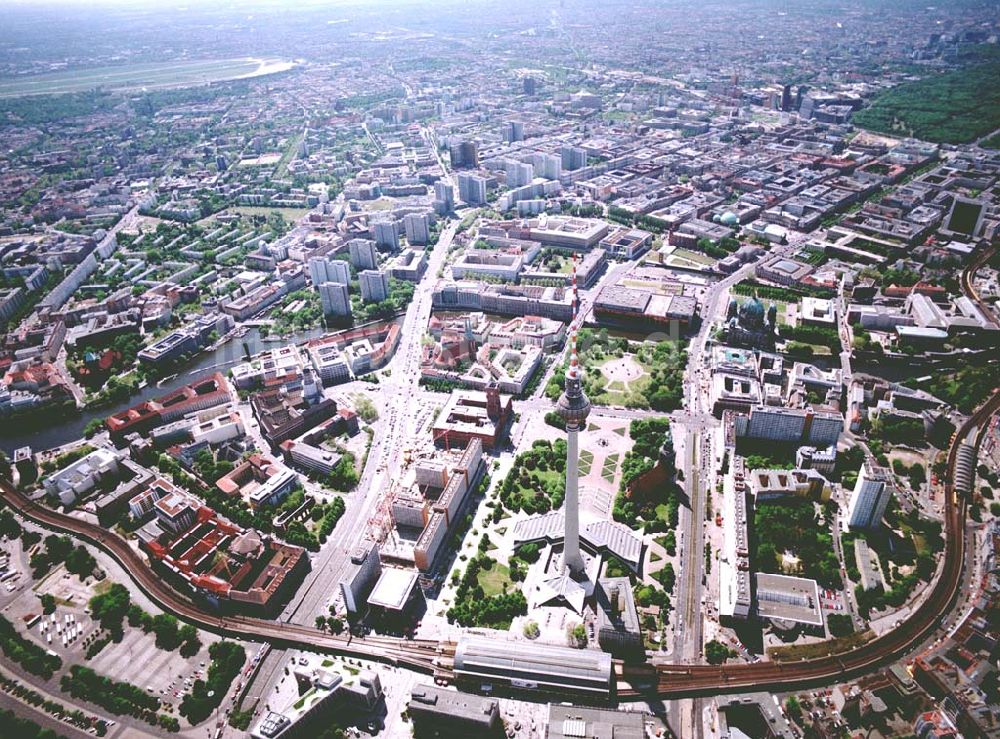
(152, 76)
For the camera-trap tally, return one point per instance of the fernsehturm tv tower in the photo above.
(574, 407)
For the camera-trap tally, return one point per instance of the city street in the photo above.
(398, 395)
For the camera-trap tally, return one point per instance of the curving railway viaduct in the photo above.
(659, 681)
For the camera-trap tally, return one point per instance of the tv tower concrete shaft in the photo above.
(574, 407)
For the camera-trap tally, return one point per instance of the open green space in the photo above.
(610, 467)
(150, 76)
(668, 541)
(493, 580)
(557, 261)
(796, 652)
(770, 293)
(964, 388)
(955, 107)
(474, 606)
(291, 149)
(655, 511)
(810, 340)
(536, 482)
(660, 387)
(289, 214)
(792, 539)
(679, 256)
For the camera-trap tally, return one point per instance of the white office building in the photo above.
(513, 131)
(386, 234)
(519, 174)
(548, 166)
(82, 476)
(472, 188)
(444, 197)
(363, 253)
(374, 285)
(573, 157)
(805, 426)
(870, 497)
(334, 299)
(323, 270)
(418, 228)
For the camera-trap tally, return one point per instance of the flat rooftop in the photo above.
(393, 588)
(787, 598)
(453, 702)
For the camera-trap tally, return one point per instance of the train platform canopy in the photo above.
(788, 599)
(533, 667)
(393, 589)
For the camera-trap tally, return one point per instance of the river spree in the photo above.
(65, 430)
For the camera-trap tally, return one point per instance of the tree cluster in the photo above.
(716, 652)
(473, 607)
(795, 527)
(648, 436)
(206, 695)
(110, 608)
(59, 549)
(24, 728)
(26, 653)
(121, 699)
(954, 107)
(536, 482)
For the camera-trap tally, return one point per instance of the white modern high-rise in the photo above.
(323, 270)
(363, 253)
(870, 497)
(513, 131)
(471, 188)
(444, 197)
(417, 227)
(334, 299)
(374, 285)
(574, 407)
(573, 157)
(519, 174)
(386, 234)
(548, 166)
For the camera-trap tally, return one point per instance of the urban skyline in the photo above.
(449, 369)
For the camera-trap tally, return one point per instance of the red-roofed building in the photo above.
(233, 568)
(206, 392)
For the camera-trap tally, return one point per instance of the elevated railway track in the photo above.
(647, 681)
(415, 654)
(676, 681)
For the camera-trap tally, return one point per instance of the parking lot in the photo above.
(66, 632)
(13, 570)
(137, 660)
(69, 631)
(831, 600)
